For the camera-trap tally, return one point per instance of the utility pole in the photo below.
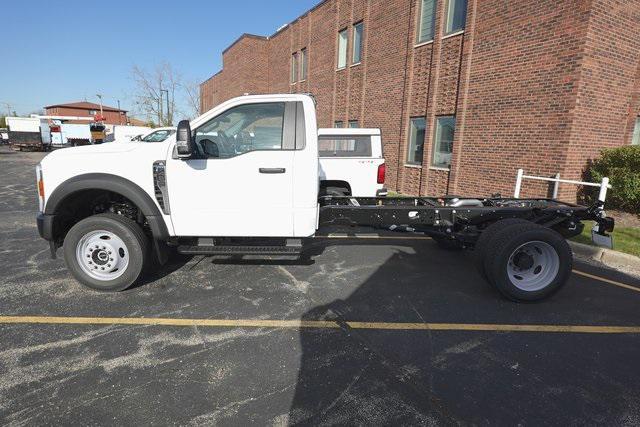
(119, 113)
(160, 109)
(6, 104)
(100, 98)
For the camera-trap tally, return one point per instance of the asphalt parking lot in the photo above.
(369, 331)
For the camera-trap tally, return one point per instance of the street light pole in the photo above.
(165, 90)
(160, 109)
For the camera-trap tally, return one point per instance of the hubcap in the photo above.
(533, 266)
(102, 255)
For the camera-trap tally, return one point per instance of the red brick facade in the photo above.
(541, 85)
(112, 116)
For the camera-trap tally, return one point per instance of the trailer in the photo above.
(27, 133)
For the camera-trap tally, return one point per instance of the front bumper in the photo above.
(45, 225)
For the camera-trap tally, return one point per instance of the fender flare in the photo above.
(116, 184)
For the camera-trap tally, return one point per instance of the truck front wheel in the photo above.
(527, 262)
(106, 252)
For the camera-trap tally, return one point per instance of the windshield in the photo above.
(158, 136)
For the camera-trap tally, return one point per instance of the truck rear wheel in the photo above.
(106, 252)
(527, 262)
(485, 238)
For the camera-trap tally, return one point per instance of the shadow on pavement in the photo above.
(343, 377)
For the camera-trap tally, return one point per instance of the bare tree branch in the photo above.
(192, 98)
(155, 93)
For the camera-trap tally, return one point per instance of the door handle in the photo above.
(272, 170)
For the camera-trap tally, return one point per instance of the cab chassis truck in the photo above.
(242, 179)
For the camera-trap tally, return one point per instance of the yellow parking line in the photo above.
(588, 329)
(159, 321)
(298, 324)
(609, 281)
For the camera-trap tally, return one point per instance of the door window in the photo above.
(248, 127)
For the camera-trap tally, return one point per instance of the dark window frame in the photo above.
(409, 159)
(419, 27)
(360, 44)
(437, 142)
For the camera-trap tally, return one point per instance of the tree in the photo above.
(192, 98)
(155, 93)
(3, 122)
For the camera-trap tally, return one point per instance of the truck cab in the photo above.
(249, 168)
(256, 158)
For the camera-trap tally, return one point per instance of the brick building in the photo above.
(112, 115)
(465, 92)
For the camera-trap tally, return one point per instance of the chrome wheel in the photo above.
(533, 266)
(102, 255)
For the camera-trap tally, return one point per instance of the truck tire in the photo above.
(106, 252)
(527, 262)
(483, 242)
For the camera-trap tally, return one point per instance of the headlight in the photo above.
(40, 186)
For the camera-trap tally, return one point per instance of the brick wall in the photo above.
(540, 85)
(110, 117)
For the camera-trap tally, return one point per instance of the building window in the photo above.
(443, 141)
(635, 139)
(92, 112)
(342, 49)
(357, 43)
(427, 20)
(354, 124)
(294, 67)
(456, 15)
(416, 141)
(338, 124)
(303, 64)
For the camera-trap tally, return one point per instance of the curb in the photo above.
(626, 263)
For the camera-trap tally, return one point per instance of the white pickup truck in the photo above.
(243, 178)
(351, 162)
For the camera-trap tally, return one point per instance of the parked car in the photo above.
(156, 135)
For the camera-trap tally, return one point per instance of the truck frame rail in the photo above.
(460, 219)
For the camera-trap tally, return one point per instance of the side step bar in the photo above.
(239, 250)
(206, 246)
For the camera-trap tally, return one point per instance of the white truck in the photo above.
(69, 134)
(351, 162)
(243, 178)
(125, 133)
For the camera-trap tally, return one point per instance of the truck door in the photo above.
(240, 182)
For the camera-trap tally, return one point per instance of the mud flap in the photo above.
(53, 248)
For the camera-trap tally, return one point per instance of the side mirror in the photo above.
(184, 147)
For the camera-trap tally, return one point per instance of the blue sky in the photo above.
(62, 51)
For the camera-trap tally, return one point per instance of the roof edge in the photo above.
(244, 35)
